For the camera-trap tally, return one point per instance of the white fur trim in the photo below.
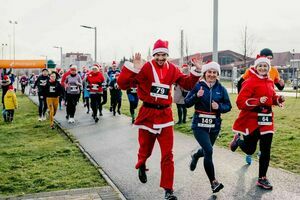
(130, 66)
(160, 50)
(163, 125)
(266, 132)
(248, 104)
(262, 60)
(241, 132)
(158, 131)
(211, 65)
(193, 71)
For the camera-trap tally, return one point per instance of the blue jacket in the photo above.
(203, 104)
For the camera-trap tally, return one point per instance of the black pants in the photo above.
(9, 115)
(87, 103)
(116, 99)
(23, 88)
(72, 100)
(42, 105)
(95, 103)
(248, 145)
(206, 140)
(181, 110)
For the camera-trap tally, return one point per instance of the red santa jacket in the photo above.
(153, 119)
(254, 114)
(95, 81)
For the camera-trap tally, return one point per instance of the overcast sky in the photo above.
(134, 25)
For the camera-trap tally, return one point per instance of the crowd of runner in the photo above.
(196, 84)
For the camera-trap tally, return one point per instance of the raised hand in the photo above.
(200, 92)
(214, 105)
(263, 99)
(137, 61)
(198, 62)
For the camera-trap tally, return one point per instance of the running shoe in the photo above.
(194, 161)
(142, 174)
(264, 183)
(248, 159)
(169, 195)
(216, 186)
(234, 143)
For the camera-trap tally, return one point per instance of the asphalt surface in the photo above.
(112, 142)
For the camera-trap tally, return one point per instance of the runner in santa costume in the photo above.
(95, 80)
(155, 119)
(256, 119)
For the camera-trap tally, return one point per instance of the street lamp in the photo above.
(14, 23)
(215, 31)
(95, 28)
(61, 65)
(46, 57)
(3, 45)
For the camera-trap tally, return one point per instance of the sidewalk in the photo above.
(112, 143)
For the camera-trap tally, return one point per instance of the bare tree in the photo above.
(247, 44)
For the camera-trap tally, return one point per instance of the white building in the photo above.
(79, 59)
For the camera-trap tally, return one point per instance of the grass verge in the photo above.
(34, 158)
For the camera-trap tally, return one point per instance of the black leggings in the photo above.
(181, 110)
(95, 103)
(87, 102)
(72, 100)
(116, 99)
(206, 140)
(23, 88)
(42, 105)
(248, 145)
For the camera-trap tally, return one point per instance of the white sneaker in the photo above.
(44, 118)
(40, 119)
(70, 120)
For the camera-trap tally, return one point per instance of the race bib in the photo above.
(95, 86)
(52, 89)
(207, 121)
(73, 88)
(43, 82)
(159, 90)
(133, 90)
(265, 119)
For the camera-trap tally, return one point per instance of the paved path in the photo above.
(113, 144)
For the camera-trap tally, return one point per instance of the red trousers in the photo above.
(165, 140)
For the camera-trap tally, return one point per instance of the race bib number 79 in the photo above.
(159, 90)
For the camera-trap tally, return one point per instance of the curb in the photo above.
(91, 159)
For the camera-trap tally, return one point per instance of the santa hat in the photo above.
(73, 68)
(114, 63)
(211, 65)
(10, 87)
(5, 77)
(160, 46)
(57, 69)
(96, 65)
(185, 66)
(262, 59)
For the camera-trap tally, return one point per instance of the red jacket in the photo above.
(63, 78)
(95, 81)
(149, 118)
(248, 101)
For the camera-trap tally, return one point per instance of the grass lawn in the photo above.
(34, 158)
(286, 142)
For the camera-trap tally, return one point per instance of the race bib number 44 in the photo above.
(159, 90)
(265, 119)
(207, 121)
